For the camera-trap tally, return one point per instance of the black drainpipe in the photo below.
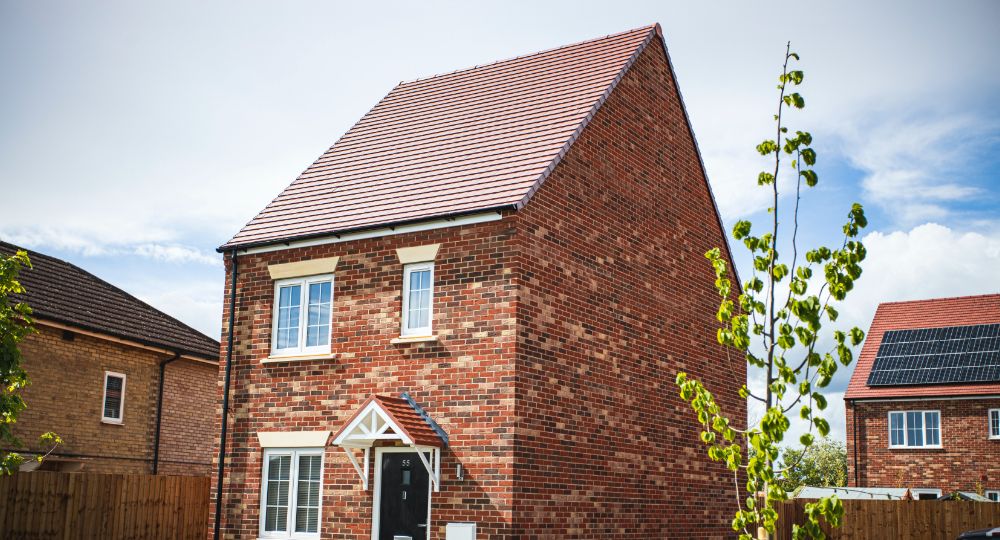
(159, 412)
(857, 467)
(225, 401)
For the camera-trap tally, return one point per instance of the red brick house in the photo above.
(129, 388)
(464, 320)
(923, 404)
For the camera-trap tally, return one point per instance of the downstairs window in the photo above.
(290, 495)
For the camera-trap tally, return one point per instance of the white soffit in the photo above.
(292, 439)
(417, 254)
(311, 267)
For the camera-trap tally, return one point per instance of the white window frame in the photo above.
(423, 331)
(992, 494)
(906, 431)
(989, 424)
(104, 398)
(377, 495)
(916, 493)
(293, 476)
(301, 349)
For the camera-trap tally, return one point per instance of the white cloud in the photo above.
(53, 238)
(176, 254)
(914, 167)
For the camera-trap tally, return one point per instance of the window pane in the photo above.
(113, 397)
(307, 494)
(897, 435)
(278, 479)
(419, 299)
(932, 421)
(318, 330)
(289, 306)
(995, 423)
(914, 429)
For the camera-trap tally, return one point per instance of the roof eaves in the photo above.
(174, 348)
(226, 248)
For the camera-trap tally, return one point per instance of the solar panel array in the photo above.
(956, 354)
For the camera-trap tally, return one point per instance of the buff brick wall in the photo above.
(464, 380)
(66, 393)
(618, 298)
(967, 455)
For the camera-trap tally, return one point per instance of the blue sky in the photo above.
(138, 136)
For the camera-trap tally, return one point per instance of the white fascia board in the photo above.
(378, 233)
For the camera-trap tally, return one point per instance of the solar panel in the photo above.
(955, 354)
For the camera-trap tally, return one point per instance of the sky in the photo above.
(136, 137)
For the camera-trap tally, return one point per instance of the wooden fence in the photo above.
(874, 519)
(64, 506)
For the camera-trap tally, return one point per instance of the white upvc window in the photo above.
(915, 429)
(303, 311)
(113, 400)
(418, 299)
(291, 493)
(993, 495)
(925, 494)
(994, 417)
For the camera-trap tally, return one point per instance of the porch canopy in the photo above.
(392, 419)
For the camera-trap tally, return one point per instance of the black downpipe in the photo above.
(159, 412)
(225, 401)
(857, 468)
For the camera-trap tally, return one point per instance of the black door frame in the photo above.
(377, 490)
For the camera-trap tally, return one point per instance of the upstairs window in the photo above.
(995, 423)
(302, 315)
(113, 403)
(915, 429)
(418, 299)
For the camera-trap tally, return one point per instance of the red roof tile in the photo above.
(405, 416)
(472, 140)
(936, 313)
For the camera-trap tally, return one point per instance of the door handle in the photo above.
(421, 525)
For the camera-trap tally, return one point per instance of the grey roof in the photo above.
(65, 293)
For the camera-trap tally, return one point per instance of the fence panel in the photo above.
(874, 519)
(81, 506)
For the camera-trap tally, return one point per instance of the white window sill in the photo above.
(297, 358)
(939, 447)
(111, 421)
(413, 339)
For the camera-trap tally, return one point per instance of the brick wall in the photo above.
(66, 396)
(967, 455)
(617, 299)
(464, 381)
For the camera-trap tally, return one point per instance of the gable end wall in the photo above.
(617, 297)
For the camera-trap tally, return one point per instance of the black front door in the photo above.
(403, 503)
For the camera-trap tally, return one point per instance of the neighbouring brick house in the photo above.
(95, 366)
(468, 315)
(923, 404)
